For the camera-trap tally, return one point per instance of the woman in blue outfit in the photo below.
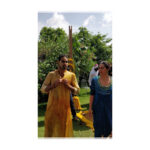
(101, 102)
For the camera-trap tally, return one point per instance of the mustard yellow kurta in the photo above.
(58, 121)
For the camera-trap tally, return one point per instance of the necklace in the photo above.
(105, 82)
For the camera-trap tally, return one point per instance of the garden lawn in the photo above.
(79, 128)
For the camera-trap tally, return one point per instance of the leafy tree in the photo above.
(101, 49)
(82, 54)
(87, 50)
(51, 44)
(47, 34)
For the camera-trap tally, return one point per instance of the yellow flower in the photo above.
(71, 65)
(76, 98)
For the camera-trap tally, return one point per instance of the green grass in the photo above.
(79, 128)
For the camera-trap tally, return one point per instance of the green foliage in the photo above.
(99, 44)
(88, 49)
(82, 54)
(48, 34)
(51, 44)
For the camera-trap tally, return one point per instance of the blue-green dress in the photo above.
(102, 108)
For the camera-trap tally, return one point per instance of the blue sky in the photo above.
(95, 22)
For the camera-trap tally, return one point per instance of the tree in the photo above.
(51, 44)
(82, 54)
(87, 50)
(100, 47)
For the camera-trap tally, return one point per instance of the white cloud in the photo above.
(57, 20)
(106, 20)
(89, 20)
(107, 17)
(75, 29)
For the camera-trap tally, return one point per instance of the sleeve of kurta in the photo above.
(75, 84)
(46, 82)
(92, 87)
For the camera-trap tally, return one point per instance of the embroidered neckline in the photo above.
(105, 87)
(60, 75)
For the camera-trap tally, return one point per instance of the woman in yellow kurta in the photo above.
(59, 84)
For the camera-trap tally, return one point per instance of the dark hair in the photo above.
(99, 62)
(96, 68)
(61, 56)
(107, 66)
(110, 71)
